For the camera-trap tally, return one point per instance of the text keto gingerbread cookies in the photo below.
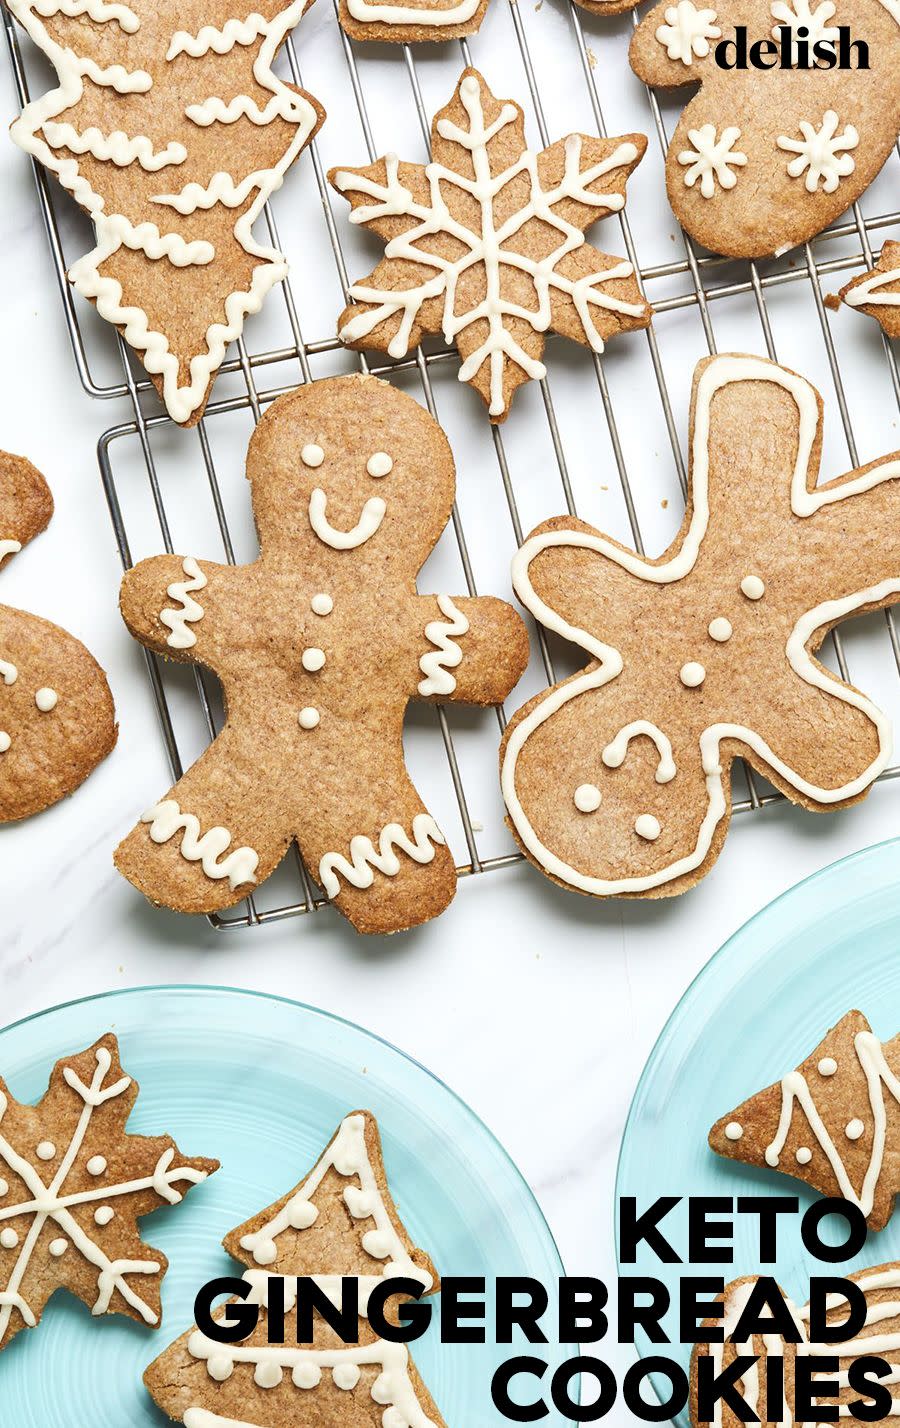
(171, 129)
(617, 781)
(486, 244)
(763, 159)
(57, 720)
(340, 1222)
(319, 645)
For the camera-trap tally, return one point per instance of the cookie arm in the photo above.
(473, 649)
(851, 534)
(167, 601)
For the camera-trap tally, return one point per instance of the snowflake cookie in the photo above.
(340, 1222)
(319, 645)
(618, 781)
(73, 1185)
(486, 244)
(170, 128)
(877, 292)
(57, 721)
(764, 159)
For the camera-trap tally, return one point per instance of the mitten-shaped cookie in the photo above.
(320, 644)
(57, 720)
(617, 781)
(763, 159)
(340, 1222)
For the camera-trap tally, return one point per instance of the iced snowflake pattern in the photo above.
(821, 153)
(711, 160)
(688, 31)
(571, 274)
(799, 13)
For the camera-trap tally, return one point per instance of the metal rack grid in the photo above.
(708, 282)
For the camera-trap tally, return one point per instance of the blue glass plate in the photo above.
(261, 1083)
(753, 1013)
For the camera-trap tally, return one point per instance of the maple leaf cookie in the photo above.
(57, 721)
(833, 1123)
(486, 244)
(338, 1222)
(319, 645)
(763, 159)
(877, 292)
(73, 1185)
(617, 781)
(171, 129)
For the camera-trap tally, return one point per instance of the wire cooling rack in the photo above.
(600, 437)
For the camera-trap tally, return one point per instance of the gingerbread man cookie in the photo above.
(319, 645)
(763, 159)
(340, 1222)
(171, 129)
(618, 780)
(877, 292)
(57, 720)
(486, 244)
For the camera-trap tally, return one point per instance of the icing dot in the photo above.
(265, 1252)
(46, 699)
(358, 1202)
(312, 659)
(646, 826)
(312, 455)
(827, 1066)
(854, 1129)
(380, 464)
(8, 671)
(302, 1214)
(692, 674)
(382, 1389)
(219, 1367)
(104, 1215)
(321, 604)
(3, 1187)
(5, 741)
(46, 1150)
(345, 1375)
(58, 1247)
(752, 587)
(267, 1375)
(804, 1155)
(96, 1165)
(733, 1130)
(587, 798)
(306, 1375)
(772, 1157)
(720, 629)
(377, 1243)
(308, 718)
(8, 1238)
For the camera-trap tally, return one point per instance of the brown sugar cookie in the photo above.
(877, 292)
(776, 1356)
(408, 21)
(320, 644)
(57, 720)
(494, 296)
(764, 159)
(171, 129)
(833, 1123)
(617, 781)
(338, 1222)
(73, 1185)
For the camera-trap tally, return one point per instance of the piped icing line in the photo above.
(114, 230)
(189, 610)
(868, 293)
(97, 10)
(368, 523)
(48, 1202)
(9, 547)
(614, 753)
(436, 664)
(804, 502)
(166, 820)
(427, 16)
(393, 199)
(222, 41)
(365, 858)
(118, 147)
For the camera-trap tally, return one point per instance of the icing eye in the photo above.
(312, 455)
(587, 798)
(380, 464)
(734, 1130)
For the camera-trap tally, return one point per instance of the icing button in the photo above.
(720, 629)
(312, 659)
(646, 826)
(379, 464)
(308, 718)
(854, 1129)
(312, 455)
(752, 587)
(587, 798)
(734, 1130)
(692, 674)
(46, 699)
(321, 604)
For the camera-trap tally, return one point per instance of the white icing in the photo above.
(587, 798)
(97, 10)
(734, 1130)
(752, 587)
(96, 1165)
(720, 629)
(711, 160)
(8, 672)
(436, 664)
(49, 1202)
(804, 502)
(8, 1239)
(189, 611)
(692, 674)
(485, 244)
(118, 147)
(321, 604)
(312, 455)
(104, 1215)
(5, 741)
(427, 15)
(614, 753)
(221, 42)
(114, 230)
(869, 294)
(365, 858)
(46, 1150)
(646, 826)
(313, 659)
(167, 820)
(46, 699)
(688, 31)
(308, 718)
(821, 153)
(827, 1066)
(9, 547)
(368, 523)
(379, 464)
(854, 1129)
(4, 1187)
(58, 1247)
(803, 1155)
(799, 14)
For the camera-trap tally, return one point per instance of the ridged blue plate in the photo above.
(753, 1013)
(261, 1083)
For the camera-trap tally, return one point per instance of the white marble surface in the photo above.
(538, 1007)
